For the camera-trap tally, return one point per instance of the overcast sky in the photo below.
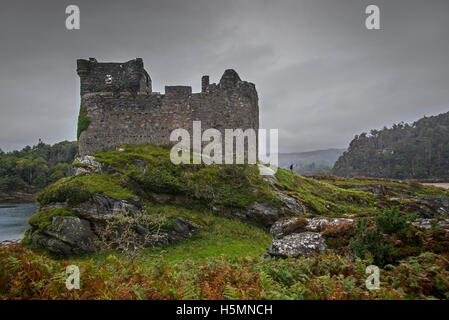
(321, 76)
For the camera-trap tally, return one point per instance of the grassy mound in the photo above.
(76, 190)
(139, 170)
(324, 198)
(143, 169)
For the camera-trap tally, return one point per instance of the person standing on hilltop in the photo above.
(291, 168)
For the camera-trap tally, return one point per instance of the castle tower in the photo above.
(119, 107)
(204, 83)
(113, 77)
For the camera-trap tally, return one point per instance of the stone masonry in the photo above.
(122, 109)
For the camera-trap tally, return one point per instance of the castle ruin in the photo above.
(120, 107)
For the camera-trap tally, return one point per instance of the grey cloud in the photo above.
(321, 76)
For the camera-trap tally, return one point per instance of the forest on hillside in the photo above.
(404, 151)
(33, 168)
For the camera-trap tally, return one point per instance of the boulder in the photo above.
(75, 232)
(284, 227)
(295, 245)
(182, 229)
(264, 214)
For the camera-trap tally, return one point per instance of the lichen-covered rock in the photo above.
(428, 223)
(319, 224)
(86, 165)
(288, 226)
(295, 245)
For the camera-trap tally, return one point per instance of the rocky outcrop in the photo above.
(67, 235)
(427, 207)
(84, 232)
(294, 245)
(86, 165)
(299, 236)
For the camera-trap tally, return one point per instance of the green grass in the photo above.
(218, 237)
(323, 198)
(221, 236)
(76, 190)
(42, 220)
(399, 189)
(106, 184)
(151, 154)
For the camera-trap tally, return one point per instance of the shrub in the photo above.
(159, 179)
(368, 243)
(377, 242)
(338, 236)
(131, 232)
(392, 221)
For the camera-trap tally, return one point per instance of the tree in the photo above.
(33, 168)
(417, 151)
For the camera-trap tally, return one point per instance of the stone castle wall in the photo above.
(122, 109)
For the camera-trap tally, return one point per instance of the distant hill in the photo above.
(404, 151)
(311, 162)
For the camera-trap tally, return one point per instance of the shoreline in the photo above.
(18, 198)
(444, 185)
